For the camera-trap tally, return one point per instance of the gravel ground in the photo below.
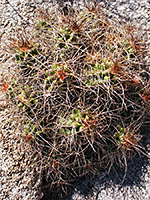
(19, 162)
(16, 169)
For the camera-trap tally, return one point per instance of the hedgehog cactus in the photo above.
(78, 78)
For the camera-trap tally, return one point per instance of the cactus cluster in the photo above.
(81, 89)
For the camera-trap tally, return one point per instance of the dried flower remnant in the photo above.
(146, 96)
(29, 137)
(24, 45)
(116, 68)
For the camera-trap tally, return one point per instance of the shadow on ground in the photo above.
(88, 187)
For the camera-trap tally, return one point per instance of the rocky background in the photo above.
(20, 177)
